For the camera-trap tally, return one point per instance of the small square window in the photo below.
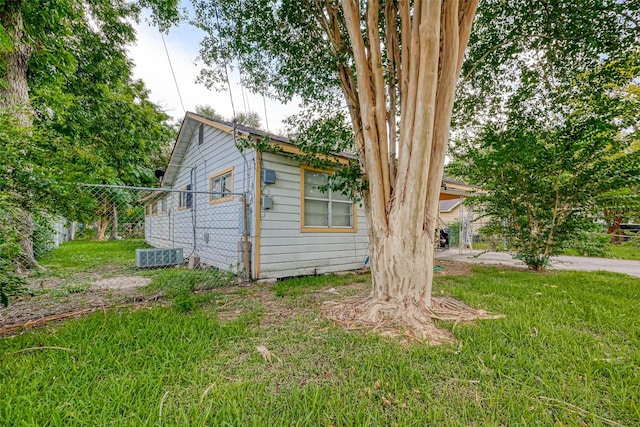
(221, 185)
(186, 199)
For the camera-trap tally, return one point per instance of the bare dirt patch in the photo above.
(55, 297)
(452, 268)
(122, 282)
(81, 293)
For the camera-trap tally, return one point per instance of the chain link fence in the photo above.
(467, 229)
(203, 229)
(464, 229)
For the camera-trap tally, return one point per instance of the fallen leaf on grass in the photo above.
(205, 392)
(387, 401)
(377, 384)
(264, 351)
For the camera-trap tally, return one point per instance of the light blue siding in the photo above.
(208, 230)
(287, 251)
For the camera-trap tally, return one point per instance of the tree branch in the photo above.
(331, 26)
(393, 62)
(408, 90)
(373, 171)
(466, 14)
(380, 100)
(428, 56)
(448, 76)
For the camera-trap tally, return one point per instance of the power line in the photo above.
(244, 100)
(266, 120)
(173, 73)
(226, 73)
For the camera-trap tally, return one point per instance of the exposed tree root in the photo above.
(404, 318)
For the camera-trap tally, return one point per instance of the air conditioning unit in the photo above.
(147, 258)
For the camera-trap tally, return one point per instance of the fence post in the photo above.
(246, 236)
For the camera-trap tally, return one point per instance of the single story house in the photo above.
(452, 196)
(450, 211)
(292, 227)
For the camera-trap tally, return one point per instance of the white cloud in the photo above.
(152, 66)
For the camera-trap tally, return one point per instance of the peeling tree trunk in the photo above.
(398, 277)
(14, 96)
(425, 45)
(102, 224)
(613, 226)
(26, 259)
(114, 225)
(14, 93)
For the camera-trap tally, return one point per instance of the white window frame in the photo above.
(352, 228)
(184, 198)
(222, 194)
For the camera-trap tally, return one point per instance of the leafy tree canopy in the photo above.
(209, 111)
(251, 119)
(71, 111)
(101, 125)
(529, 53)
(549, 170)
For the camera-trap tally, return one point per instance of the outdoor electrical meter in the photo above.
(268, 176)
(267, 202)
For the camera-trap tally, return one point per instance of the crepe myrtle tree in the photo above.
(396, 64)
(549, 171)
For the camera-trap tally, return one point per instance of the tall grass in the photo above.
(567, 353)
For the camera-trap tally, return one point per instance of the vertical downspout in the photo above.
(246, 233)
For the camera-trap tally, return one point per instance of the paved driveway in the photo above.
(557, 263)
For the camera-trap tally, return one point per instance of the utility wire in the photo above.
(244, 100)
(173, 73)
(226, 72)
(266, 120)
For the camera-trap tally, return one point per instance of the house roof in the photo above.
(450, 180)
(451, 188)
(449, 205)
(190, 125)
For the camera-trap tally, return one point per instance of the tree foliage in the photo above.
(71, 111)
(547, 116)
(208, 111)
(550, 169)
(533, 50)
(92, 117)
(250, 119)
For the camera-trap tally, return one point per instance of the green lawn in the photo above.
(629, 250)
(88, 255)
(567, 353)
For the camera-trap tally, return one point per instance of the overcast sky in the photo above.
(152, 66)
